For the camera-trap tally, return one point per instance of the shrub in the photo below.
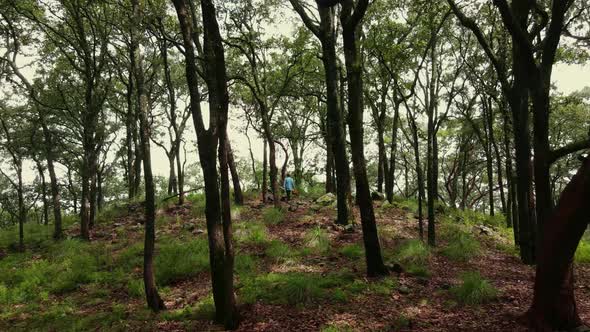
(279, 251)
(135, 288)
(352, 251)
(245, 264)
(293, 288)
(462, 247)
(273, 216)
(583, 252)
(473, 290)
(410, 204)
(413, 255)
(317, 240)
(249, 232)
(314, 192)
(177, 260)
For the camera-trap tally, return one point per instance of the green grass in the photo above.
(251, 232)
(273, 216)
(135, 288)
(317, 240)
(352, 251)
(246, 265)
(202, 310)
(178, 260)
(413, 255)
(462, 247)
(64, 267)
(583, 252)
(280, 252)
(473, 290)
(295, 288)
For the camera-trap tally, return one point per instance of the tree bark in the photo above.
(217, 212)
(238, 195)
(350, 28)
(554, 305)
(155, 303)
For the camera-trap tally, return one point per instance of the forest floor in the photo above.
(295, 271)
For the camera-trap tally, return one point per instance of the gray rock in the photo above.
(326, 199)
(403, 290)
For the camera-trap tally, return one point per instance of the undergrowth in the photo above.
(473, 290)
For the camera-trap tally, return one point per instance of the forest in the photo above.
(301, 165)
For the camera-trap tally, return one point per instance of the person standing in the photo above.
(289, 185)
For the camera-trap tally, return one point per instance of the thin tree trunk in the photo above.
(264, 171)
(238, 196)
(155, 303)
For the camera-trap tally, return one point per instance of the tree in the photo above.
(217, 209)
(325, 31)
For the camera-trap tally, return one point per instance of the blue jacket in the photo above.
(289, 183)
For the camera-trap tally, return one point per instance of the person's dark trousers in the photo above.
(288, 195)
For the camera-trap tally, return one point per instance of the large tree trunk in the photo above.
(155, 303)
(554, 304)
(335, 119)
(375, 265)
(217, 211)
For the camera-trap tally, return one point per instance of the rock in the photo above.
(199, 231)
(292, 208)
(189, 226)
(377, 196)
(349, 228)
(482, 230)
(326, 199)
(315, 207)
(403, 290)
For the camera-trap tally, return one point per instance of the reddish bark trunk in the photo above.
(554, 304)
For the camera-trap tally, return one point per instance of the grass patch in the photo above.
(295, 288)
(352, 251)
(245, 265)
(317, 240)
(280, 252)
(462, 247)
(273, 216)
(583, 252)
(473, 290)
(251, 232)
(177, 260)
(414, 255)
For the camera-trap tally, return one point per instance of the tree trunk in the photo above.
(172, 183)
(217, 210)
(155, 303)
(390, 178)
(554, 305)
(180, 176)
(335, 118)
(375, 265)
(43, 192)
(238, 196)
(264, 171)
